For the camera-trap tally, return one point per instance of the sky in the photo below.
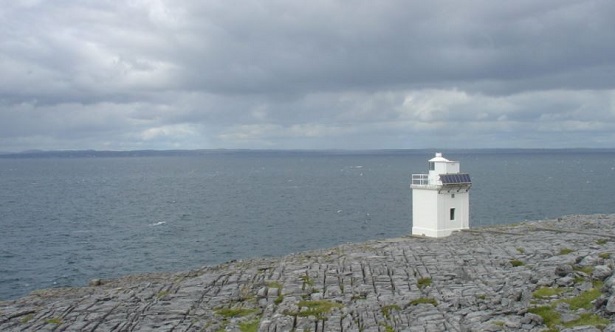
(319, 74)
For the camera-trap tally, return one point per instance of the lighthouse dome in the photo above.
(438, 157)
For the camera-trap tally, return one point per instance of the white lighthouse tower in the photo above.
(440, 199)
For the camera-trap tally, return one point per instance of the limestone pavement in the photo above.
(533, 276)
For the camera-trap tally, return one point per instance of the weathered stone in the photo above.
(610, 304)
(530, 318)
(601, 272)
(563, 270)
(262, 302)
(95, 282)
(262, 292)
(609, 284)
(600, 301)
(565, 281)
(478, 316)
(273, 292)
(590, 260)
(505, 302)
(545, 281)
(513, 323)
(490, 327)
(465, 282)
(568, 317)
(582, 329)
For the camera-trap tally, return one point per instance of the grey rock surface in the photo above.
(601, 272)
(490, 279)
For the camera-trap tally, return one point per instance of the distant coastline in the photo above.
(205, 152)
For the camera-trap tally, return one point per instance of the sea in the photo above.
(69, 217)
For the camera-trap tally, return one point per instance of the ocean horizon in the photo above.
(71, 216)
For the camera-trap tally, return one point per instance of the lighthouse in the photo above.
(440, 199)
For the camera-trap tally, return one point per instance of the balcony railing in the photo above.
(420, 179)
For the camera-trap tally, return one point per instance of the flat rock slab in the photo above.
(478, 280)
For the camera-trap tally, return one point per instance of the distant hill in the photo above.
(204, 152)
(102, 154)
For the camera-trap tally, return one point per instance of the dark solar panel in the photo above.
(455, 178)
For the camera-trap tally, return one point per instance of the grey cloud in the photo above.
(130, 74)
(283, 47)
(354, 47)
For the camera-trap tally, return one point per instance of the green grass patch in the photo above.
(307, 281)
(516, 262)
(601, 241)
(521, 250)
(583, 300)
(235, 312)
(589, 319)
(578, 279)
(388, 328)
(424, 300)
(585, 269)
(26, 318)
(162, 294)
(548, 314)
(274, 284)
(317, 308)
(251, 326)
(605, 255)
(565, 251)
(423, 282)
(387, 309)
(546, 292)
(54, 320)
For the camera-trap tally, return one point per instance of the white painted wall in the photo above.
(446, 167)
(424, 211)
(431, 212)
(461, 205)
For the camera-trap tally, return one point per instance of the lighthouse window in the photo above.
(432, 166)
(452, 213)
(452, 195)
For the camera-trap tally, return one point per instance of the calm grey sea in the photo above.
(67, 220)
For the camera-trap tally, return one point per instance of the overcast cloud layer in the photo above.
(279, 74)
